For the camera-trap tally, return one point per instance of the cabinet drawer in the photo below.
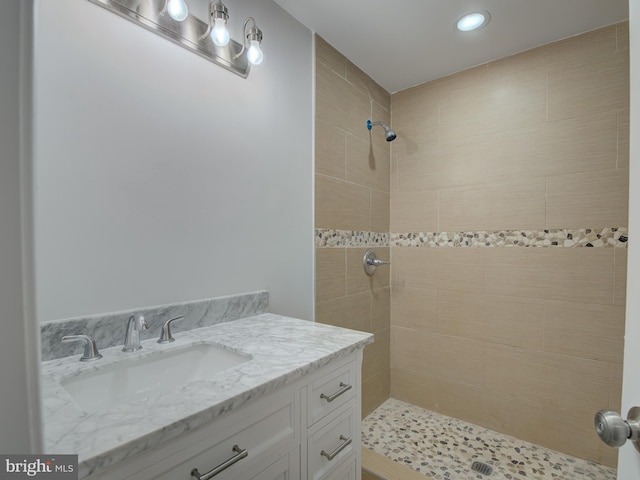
(331, 391)
(285, 468)
(267, 431)
(345, 472)
(333, 444)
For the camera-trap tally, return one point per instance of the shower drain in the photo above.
(482, 468)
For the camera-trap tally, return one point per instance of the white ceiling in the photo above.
(402, 43)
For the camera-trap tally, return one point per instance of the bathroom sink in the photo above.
(142, 380)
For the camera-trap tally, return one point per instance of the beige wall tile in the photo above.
(380, 211)
(331, 150)
(517, 204)
(505, 320)
(340, 103)
(375, 390)
(380, 309)
(408, 267)
(580, 47)
(353, 311)
(581, 144)
(451, 164)
(455, 359)
(584, 330)
(552, 273)
(365, 83)
(415, 116)
(367, 165)
(332, 197)
(622, 36)
(615, 391)
(460, 360)
(620, 277)
(488, 102)
(583, 87)
(413, 387)
(330, 57)
(439, 395)
(393, 180)
(377, 355)
(447, 268)
(598, 199)
(331, 273)
(550, 379)
(414, 350)
(623, 138)
(414, 211)
(414, 308)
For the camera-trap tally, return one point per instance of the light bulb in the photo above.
(178, 10)
(254, 54)
(219, 33)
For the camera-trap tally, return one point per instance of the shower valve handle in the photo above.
(370, 262)
(615, 430)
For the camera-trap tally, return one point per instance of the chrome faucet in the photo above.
(132, 335)
(91, 352)
(165, 335)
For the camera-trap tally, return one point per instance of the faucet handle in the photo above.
(91, 352)
(165, 335)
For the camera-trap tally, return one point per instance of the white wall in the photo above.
(161, 177)
(20, 412)
(629, 460)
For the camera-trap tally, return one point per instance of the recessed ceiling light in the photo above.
(472, 21)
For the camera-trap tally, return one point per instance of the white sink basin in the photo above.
(144, 379)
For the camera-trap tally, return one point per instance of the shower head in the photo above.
(389, 134)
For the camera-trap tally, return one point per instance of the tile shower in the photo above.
(503, 210)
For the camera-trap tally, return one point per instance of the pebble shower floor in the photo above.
(444, 448)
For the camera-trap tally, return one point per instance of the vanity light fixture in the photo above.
(171, 19)
(472, 21)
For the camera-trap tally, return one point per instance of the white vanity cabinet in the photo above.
(309, 429)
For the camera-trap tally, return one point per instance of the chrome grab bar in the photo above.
(331, 398)
(345, 443)
(240, 454)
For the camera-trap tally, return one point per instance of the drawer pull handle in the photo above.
(345, 443)
(343, 388)
(240, 454)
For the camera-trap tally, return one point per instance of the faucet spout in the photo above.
(132, 334)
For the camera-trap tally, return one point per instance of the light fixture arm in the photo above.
(254, 32)
(216, 10)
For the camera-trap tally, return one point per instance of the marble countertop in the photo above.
(283, 350)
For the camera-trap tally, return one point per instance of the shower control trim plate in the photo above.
(370, 262)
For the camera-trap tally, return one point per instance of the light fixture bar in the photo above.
(187, 34)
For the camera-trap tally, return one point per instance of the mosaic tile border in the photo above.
(328, 238)
(617, 237)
